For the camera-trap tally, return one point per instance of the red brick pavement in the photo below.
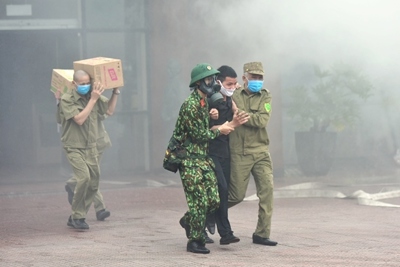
(143, 229)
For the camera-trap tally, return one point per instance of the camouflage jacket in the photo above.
(192, 129)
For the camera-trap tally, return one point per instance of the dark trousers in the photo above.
(223, 173)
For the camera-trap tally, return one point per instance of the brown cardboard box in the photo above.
(108, 71)
(61, 80)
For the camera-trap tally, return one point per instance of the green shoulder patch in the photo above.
(267, 107)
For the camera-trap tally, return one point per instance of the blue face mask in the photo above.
(83, 89)
(254, 86)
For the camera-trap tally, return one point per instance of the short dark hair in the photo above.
(226, 71)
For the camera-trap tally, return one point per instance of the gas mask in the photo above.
(211, 89)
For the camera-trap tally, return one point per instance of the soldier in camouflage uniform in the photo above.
(196, 169)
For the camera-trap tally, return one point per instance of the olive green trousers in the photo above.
(84, 163)
(260, 166)
(98, 201)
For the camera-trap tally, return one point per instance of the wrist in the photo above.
(116, 91)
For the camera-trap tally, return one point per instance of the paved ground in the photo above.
(316, 224)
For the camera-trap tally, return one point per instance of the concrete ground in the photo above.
(320, 222)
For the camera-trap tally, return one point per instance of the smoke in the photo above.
(290, 36)
(287, 36)
(316, 31)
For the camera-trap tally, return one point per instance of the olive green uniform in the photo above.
(103, 142)
(249, 154)
(79, 143)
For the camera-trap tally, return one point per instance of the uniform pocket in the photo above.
(255, 105)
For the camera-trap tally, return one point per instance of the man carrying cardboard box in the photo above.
(79, 112)
(62, 82)
(102, 143)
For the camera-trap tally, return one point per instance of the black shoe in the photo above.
(69, 222)
(263, 241)
(186, 226)
(196, 247)
(70, 193)
(229, 238)
(211, 228)
(210, 224)
(102, 214)
(208, 240)
(79, 224)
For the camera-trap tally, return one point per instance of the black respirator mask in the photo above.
(214, 97)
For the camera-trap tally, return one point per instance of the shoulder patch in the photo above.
(267, 107)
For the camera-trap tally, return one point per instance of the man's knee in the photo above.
(234, 199)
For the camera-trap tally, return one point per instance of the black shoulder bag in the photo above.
(174, 155)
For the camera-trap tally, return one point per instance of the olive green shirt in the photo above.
(251, 137)
(103, 140)
(85, 135)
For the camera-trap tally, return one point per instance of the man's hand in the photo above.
(57, 95)
(239, 118)
(234, 107)
(214, 114)
(116, 91)
(97, 90)
(225, 128)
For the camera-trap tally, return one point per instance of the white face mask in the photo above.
(225, 91)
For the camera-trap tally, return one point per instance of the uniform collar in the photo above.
(77, 96)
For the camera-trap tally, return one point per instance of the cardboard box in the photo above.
(108, 71)
(61, 80)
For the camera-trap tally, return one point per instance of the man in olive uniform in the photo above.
(103, 142)
(249, 150)
(79, 111)
(196, 170)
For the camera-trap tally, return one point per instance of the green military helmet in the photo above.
(201, 71)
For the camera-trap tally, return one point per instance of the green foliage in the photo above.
(334, 99)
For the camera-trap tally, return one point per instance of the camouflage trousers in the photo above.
(201, 191)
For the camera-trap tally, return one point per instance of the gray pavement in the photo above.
(317, 222)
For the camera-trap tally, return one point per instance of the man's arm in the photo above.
(239, 118)
(113, 102)
(81, 117)
(259, 116)
(196, 127)
(84, 114)
(57, 95)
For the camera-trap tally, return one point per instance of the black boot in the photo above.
(185, 226)
(210, 223)
(263, 241)
(102, 214)
(228, 239)
(196, 247)
(208, 239)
